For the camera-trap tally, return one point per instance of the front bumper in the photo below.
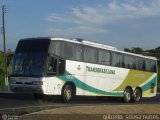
(27, 89)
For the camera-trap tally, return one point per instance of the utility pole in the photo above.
(4, 45)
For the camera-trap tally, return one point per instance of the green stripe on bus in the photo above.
(88, 88)
(150, 85)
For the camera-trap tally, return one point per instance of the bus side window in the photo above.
(148, 65)
(114, 59)
(153, 66)
(143, 65)
(104, 57)
(55, 48)
(78, 52)
(69, 51)
(126, 61)
(90, 54)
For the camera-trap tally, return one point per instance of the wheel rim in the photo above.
(68, 94)
(127, 95)
(137, 95)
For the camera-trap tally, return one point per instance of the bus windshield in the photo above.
(32, 64)
(30, 57)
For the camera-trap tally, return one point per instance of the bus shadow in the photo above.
(86, 100)
(57, 99)
(77, 99)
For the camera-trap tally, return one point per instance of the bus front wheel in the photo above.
(67, 93)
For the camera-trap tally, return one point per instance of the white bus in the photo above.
(70, 67)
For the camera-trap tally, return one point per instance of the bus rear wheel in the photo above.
(137, 95)
(127, 96)
(67, 93)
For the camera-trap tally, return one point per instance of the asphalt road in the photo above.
(13, 101)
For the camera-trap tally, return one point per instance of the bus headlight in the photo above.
(13, 82)
(37, 82)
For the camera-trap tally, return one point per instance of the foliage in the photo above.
(10, 55)
(1, 71)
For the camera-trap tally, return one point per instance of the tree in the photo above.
(10, 56)
(137, 50)
(127, 50)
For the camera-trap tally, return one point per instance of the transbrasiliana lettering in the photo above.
(99, 70)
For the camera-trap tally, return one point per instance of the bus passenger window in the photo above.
(69, 51)
(78, 52)
(153, 66)
(104, 57)
(117, 60)
(90, 55)
(143, 65)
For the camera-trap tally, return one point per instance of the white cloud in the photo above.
(114, 11)
(109, 12)
(53, 17)
(91, 19)
(77, 31)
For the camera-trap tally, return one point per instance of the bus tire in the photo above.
(127, 95)
(137, 95)
(67, 93)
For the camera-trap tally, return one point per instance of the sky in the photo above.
(119, 23)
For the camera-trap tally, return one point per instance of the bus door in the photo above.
(55, 68)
